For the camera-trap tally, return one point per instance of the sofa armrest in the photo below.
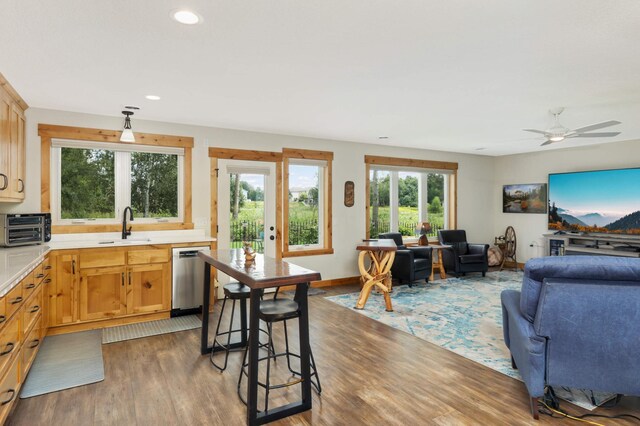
(478, 248)
(421, 252)
(403, 260)
(526, 347)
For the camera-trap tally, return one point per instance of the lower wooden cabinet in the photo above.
(149, 288)
(64, 309)
(9, 388)
(102, 293)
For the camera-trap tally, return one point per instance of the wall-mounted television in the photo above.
(603, 201)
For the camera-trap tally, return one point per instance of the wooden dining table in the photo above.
(263, 272)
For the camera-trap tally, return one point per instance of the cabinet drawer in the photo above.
(30, 347)
(100, 258)
(46, 266)
(144, 257)
(31, 311)
(14, 300)
(38, 273)
(9, 387)
(3, 311)
(29, 285)
(9, 342)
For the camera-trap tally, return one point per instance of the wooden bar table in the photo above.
(263, 272)
(382, 254)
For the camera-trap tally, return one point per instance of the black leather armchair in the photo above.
(411, 263)
(463, 257)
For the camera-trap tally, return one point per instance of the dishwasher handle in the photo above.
(191, 253)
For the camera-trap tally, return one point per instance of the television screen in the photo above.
(605, 201)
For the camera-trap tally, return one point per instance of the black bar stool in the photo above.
(233, 291)
(272, 311)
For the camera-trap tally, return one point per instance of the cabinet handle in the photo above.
(6, 181)
(13, 395)
(34, 309)
(40, 276)
(2, 319)
(21, 190)
(17, 300)
(129, 278)
(47, 281)
(34, 343)
(29, 286)
(7, 351)
(73, 266)
(123, 279)
(46, 268)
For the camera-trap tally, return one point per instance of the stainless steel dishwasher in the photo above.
(188, 276)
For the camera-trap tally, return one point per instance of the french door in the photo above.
(246, 206)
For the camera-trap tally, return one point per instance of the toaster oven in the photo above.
(24, 229)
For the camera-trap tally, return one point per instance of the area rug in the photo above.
(463, 315)
(150, 328)
(65, 361)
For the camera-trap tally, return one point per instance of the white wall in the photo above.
(475, 178)
(535, 168)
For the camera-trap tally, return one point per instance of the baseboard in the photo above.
(328, 283)
(93, 325)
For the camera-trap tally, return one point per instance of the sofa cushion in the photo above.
(461, 248)
(606, 268)
(472, 258)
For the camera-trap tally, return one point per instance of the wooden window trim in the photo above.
(216, 154)
(327, 248)
(47, 132)
(452, 182)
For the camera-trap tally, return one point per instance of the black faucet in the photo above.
(126, 232)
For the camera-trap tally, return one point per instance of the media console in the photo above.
(568, 244)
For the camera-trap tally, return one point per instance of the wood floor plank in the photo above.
(370, 373)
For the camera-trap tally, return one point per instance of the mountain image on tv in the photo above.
(606, 201)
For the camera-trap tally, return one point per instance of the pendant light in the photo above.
(127, 133)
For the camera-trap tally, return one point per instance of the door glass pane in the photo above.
(304, 204)
(436, 200)
(408, 216)
(247, 210)
(87, 184)
(379, 220)
(154, 184)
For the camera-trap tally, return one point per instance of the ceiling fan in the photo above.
(558, 132)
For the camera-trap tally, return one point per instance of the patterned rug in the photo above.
(463, 315)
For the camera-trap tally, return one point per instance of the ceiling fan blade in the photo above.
(542, 132)
(595, 135)
(547, 143)
(596, 126)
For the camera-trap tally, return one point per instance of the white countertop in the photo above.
(17, 262)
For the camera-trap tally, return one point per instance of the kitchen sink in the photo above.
(120, 241)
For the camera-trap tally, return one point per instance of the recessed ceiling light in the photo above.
(153, 97)
(186, 17)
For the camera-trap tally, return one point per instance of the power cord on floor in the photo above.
(551, 404)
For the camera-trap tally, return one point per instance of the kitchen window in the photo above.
(92, 182)
(307, 202)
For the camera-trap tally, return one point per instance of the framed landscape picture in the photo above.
(524, 198)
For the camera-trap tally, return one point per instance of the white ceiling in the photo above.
(448, 75)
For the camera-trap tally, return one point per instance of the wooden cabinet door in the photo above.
(149, 288)
(64, 306)
(5, 146)
(102, 293)
(16, 178)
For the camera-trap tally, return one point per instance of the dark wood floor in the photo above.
(371, 374)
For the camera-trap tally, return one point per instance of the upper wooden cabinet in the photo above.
(12, 144)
